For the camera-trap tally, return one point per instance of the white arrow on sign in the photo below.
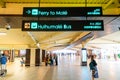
(28, 11)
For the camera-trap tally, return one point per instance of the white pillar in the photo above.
(41, 56)
(32, 57)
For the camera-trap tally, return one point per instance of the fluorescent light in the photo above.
(3, 33)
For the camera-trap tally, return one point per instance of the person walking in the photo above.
(56, 59)
(46, 60)
(93, 68)
(3, 61)
(51, 60)
(22, 61)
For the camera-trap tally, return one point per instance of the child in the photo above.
(22, 61)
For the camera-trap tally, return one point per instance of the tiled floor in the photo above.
(68, 69)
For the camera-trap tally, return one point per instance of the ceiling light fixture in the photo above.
(3, 33)
(7, 26)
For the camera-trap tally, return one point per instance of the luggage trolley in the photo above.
(3, 72)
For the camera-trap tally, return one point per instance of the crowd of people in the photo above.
(51, 59)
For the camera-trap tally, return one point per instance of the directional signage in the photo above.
(63, 25)
(61, 11)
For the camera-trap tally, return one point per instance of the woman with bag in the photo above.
(93, 67)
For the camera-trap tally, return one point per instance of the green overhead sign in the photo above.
(63, 25)
(61, 11)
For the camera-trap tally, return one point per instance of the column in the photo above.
(32, 57)
(37, 57)
(12, 55)
(83, 55)
(43, 55)
(27, 57)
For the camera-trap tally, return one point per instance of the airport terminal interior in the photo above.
(54, 39)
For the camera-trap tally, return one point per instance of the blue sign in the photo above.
(63, 25)
(61, 11)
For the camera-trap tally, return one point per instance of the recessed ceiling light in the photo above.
(3, 33)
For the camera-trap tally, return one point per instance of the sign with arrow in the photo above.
(61, 11)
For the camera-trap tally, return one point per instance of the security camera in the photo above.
(7, 26)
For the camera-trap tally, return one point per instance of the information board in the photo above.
(84, 55)
(61, 11)
(63, 25)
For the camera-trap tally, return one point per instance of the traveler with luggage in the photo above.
(3, 61)
(93, 68)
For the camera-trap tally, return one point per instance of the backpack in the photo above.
(91, 65)
(3, 60)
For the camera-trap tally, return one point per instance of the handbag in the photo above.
(96, 72)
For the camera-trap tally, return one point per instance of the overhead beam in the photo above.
(19, 9)
(81, 35)
(15, 46)
(2, 4)
(117, 4)
(90, 35)
(56, 37)
(108, 4)
(52, 38)
(87, 40)
(111, 40)
(34, 39)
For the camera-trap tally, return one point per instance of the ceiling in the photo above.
(11, 13)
